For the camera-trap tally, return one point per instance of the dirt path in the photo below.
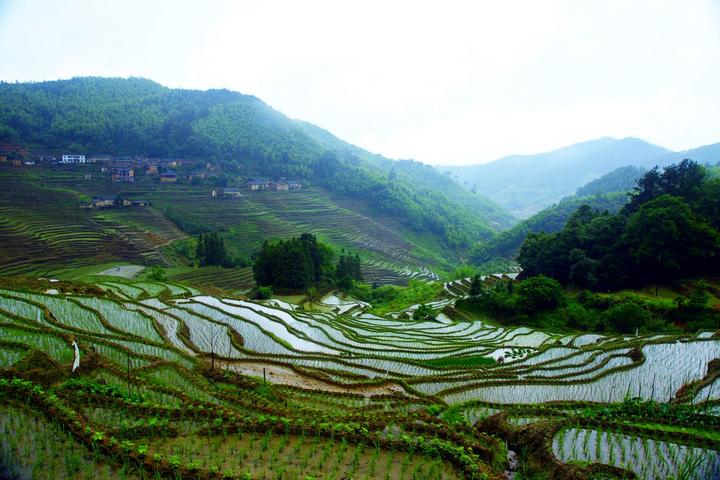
(282, 375)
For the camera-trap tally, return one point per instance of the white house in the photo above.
(72, 159)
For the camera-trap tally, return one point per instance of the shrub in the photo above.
(540, 293)
(423, 312)
(157, 274)
(579, 317)
(263, 293)
(626, 317)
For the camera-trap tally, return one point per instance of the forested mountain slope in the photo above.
(607, 193)
(243, 135)
(525, 184)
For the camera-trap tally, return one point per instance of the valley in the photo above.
(229, 293)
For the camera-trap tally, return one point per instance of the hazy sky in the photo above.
(442, 82)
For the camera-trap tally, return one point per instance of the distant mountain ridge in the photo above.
(525, 184)
(607, 193)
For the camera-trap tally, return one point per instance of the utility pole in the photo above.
(128, 372)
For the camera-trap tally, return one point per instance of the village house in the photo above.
(232, 193)
(3, 158)
(100, 158)
(151, 170)
(123, 174)
(257, 184)
(284, 186)
(199, 174)
(173, 162)
(294, 184)
(13, 151)
(46, 158)
(72, 158)
(103, 202)
(168, 177)
(115, 201)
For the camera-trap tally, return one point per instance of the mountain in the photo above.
(244, 137)
(623, 179)
(707, 154)
(607, 193)
(525, 184)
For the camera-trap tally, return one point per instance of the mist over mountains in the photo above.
(525, 184)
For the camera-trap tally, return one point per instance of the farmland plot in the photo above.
(648, 458)
(393, 373)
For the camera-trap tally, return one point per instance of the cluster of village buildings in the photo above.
(128, 168)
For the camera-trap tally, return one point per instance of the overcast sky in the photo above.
(442, 82)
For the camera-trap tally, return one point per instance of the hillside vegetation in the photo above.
(668, 231)
(43, 229)
(607, 193)
(243, 135)
(525, 184)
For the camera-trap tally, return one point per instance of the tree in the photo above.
(540, 293)
(211, 250)
(668, 230)
(157, 274)
(296, 264)
(665, 238)
(682, 180)
(626, 317)
(698, 298)
(264, 293)
(475, 286)
(582, 269)
(348, 271)
(423, 313)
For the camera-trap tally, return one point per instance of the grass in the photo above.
(460, 362)
(390, 298)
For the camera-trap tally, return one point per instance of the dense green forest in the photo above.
(304, 262)
(668, 231)
(246, 138)
(607, 193)
(506, 244)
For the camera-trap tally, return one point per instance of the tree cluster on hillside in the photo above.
(211, 250)
(607, 193)
(304, 262)
(669, 230)
(348, 271)
(244, 137)
(506, 244)
(542, 302)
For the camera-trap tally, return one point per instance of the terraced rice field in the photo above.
(344, 364)
(230, 279)
(41, 224)
(387, 257)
